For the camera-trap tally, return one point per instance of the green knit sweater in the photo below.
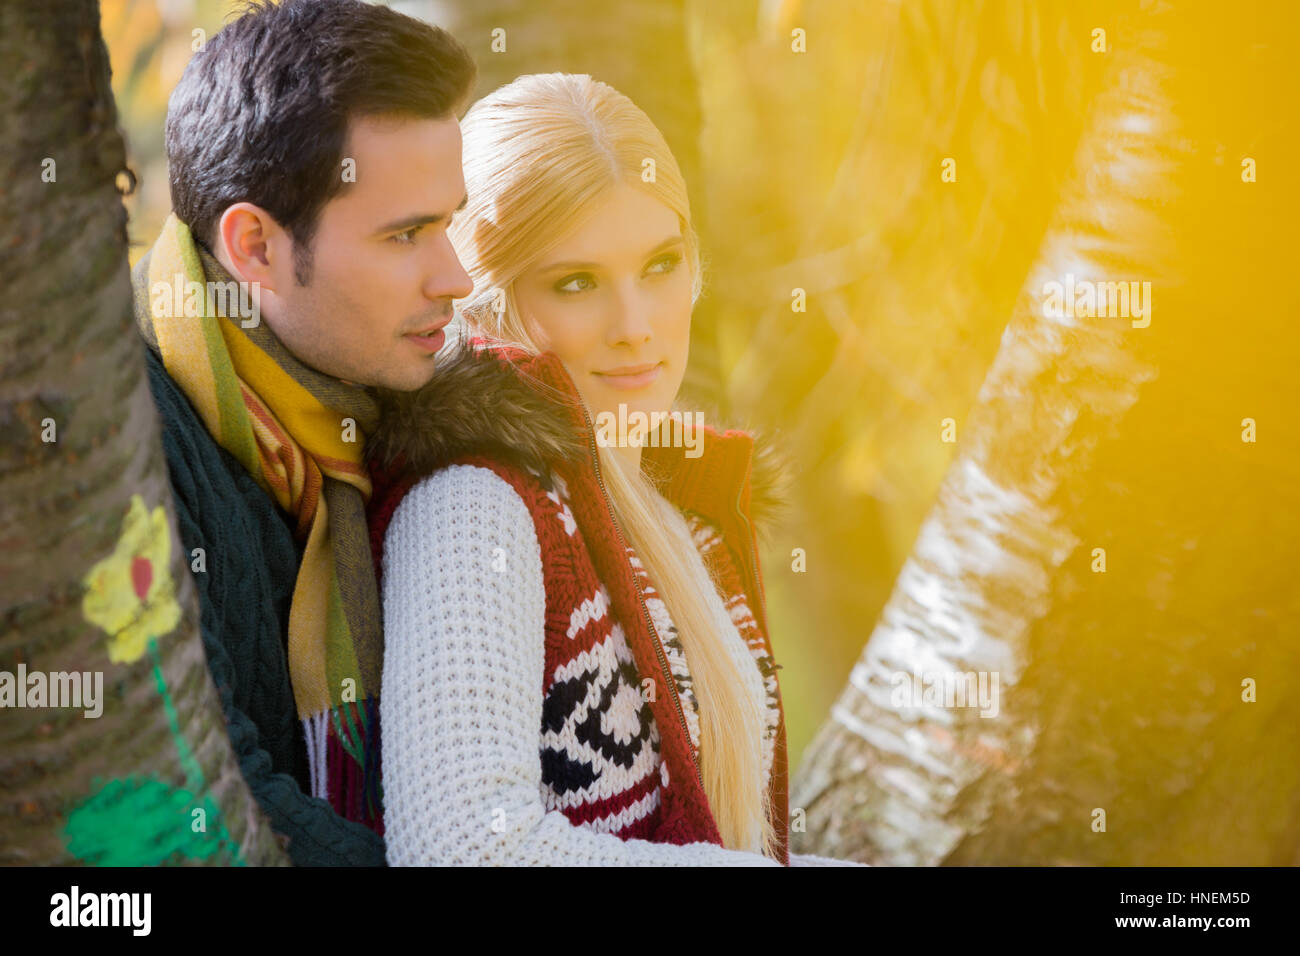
(244, 595)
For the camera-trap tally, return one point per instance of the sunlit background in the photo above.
(921, 172)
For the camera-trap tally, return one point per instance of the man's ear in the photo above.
(254, 247)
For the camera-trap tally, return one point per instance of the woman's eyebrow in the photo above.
(556, 266)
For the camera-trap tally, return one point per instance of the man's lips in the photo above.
(430, 339)
(630, 376)
(437, 326)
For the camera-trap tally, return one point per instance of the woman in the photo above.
(540, 567)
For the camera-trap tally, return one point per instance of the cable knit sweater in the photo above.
(244, 597)
(465, 608)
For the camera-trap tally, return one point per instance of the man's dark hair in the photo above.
(261, 113)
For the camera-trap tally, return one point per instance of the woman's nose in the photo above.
(631, 323)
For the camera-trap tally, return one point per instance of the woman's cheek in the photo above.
(560, 326)
(568, 321)
(677, 308)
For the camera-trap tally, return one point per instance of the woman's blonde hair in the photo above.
(539, 154)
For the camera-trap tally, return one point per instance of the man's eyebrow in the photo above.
(556, 266)
(410, 222)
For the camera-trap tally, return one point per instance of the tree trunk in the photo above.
(92, 577)
(1123, 568)
(825, 173)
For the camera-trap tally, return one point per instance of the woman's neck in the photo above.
(629, 456)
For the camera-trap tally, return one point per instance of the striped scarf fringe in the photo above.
(343, 755)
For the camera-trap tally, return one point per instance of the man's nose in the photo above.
(447, 278)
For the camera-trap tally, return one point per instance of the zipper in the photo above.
(636, 580)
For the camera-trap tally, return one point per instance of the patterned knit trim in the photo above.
(600, 745)
(713, 548)
(673, 651)
(708, 540)
(597, 792)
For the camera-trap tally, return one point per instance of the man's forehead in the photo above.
(403, 165)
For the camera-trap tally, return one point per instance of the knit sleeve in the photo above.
(221, 510)
(461, 708)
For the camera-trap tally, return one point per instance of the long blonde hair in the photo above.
(539, 154)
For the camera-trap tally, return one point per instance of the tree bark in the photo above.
(152, 780)
(1148, 706)
(824, 173)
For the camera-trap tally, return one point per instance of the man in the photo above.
(315, 161)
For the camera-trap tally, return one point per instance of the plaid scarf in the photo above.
(301, 434)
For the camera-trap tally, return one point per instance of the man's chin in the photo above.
(411, 381)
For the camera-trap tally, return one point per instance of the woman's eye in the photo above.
(665, 264)
(574, 284)
(406, 237)
(585, 282)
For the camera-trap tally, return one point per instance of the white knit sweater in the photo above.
(461, 706)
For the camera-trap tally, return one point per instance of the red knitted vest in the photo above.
(612, 760)
(603, 640)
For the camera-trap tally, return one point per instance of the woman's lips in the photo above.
(630, 376)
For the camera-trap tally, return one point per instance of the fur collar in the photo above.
(497, 402)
